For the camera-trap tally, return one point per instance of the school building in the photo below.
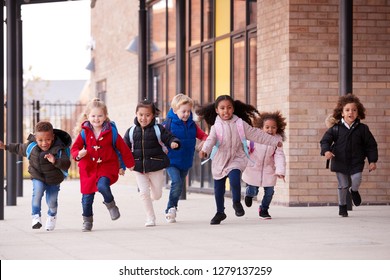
(277, 55)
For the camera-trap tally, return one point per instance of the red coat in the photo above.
(101, 158)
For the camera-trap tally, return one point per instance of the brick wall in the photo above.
(298, 68)
(113, 26)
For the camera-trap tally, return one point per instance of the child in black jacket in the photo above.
(347, 146)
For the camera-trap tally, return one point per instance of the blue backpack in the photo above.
(158, 135)
(114, 137)
(32, 145)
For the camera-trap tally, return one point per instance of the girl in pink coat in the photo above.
(267, 163)
(230, 158)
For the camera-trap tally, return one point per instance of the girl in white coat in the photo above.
(267, 163)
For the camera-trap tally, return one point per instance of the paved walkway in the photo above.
(294, 233)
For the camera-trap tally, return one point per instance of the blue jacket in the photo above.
(186, 131)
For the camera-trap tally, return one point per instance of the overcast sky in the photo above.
(55, 39)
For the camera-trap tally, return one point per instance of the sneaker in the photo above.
(150, 223)
(237, 206)
(218, 218)
(356, 198)
(264, 214)
(170, 217)
(36, 221)
(51, 222)
(248, 201)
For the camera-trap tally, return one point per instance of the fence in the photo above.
(63, 115)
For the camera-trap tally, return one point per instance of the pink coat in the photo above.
(267, 163)
(230, 154)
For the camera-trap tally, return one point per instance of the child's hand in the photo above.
(82, 153)
(2, 146)
(281, 177)
(329, 155)
(202, 154)
(121, 171)
(50, 158)
(174, 145)
(200, 145)
(372, 166)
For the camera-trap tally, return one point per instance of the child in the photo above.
(150, 158)
(179, 122)
(267, 163)
(230, 159)
(97, 159)
(46, 151)
(348, 148)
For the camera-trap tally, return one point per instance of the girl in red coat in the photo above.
(97, 159)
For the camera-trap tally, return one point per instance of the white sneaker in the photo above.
(36, 221)
(171, 215)
(51, 222)
(150, 223)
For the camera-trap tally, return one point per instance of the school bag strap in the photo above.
(219, 134)
(158, 135)
(34, 144)
(114, 138)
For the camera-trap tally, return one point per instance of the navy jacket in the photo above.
(351, 149)
(147, 152)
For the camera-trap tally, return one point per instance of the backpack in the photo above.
(335, 132)
(219, 132)
(32, 145)
(114, 137)
(158, 134)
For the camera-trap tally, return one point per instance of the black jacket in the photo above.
(39, 167)
(147, 152)
(351, 149)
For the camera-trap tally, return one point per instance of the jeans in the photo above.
(177, 177)
(346, 181)
(87, 199)
(220, 188)
(253, 191)
(39, 188)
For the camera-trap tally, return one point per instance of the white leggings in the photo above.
(345, 182)
(150, 186)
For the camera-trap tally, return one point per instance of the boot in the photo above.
(113, 209)
(343, 211)
(88, 223)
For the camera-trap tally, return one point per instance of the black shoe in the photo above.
(356, 198)
(237, 206)
(218, 218)
(264, 214)
(343, 210)
(248, 201)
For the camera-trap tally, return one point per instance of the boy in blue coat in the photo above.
(179, 121)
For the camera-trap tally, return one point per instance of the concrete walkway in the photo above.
(294, 233)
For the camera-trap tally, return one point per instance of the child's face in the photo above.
(44, 139)
(270, 127)
(97, 117)
(350, 113)
(225, 110)
(184, 111)
(144, 116)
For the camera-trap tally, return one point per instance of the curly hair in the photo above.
(347, 99)
(277, 117)
(43, 127)
(244, 111)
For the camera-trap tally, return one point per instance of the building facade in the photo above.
(276, 55)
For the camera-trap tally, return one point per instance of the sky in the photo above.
(55, 40)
